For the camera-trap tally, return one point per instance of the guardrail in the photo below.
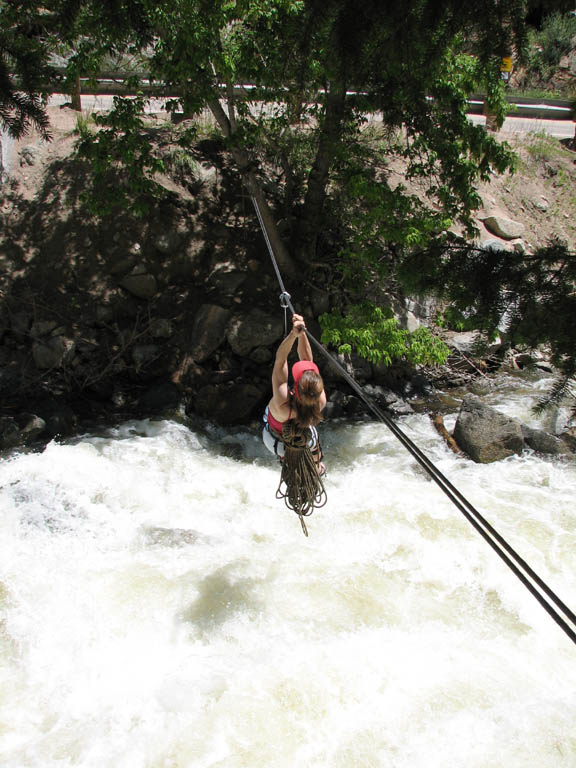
(524, 106)
(114, 84)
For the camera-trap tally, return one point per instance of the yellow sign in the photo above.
(506, 65)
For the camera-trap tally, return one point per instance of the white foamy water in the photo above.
(160, 609)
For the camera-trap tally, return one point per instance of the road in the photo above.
(562, 129)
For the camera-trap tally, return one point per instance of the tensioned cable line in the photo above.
(552, 604)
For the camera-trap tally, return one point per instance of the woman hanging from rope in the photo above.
(291, 419)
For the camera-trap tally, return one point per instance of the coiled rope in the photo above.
(552, 604)
(304, 489)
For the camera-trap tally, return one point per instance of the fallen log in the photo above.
(438, 421)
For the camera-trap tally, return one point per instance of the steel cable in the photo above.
(535, 585)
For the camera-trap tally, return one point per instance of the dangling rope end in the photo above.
(303, 524)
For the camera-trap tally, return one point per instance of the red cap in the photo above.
(299, 368)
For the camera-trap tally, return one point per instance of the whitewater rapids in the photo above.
(159, 608)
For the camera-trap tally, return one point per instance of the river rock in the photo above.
(160, 398)
(20, 430)
(226, 280)
(485, 434)
(208, 331)
(228, 404)
(52, 352)
(42, 327)
(502, 227)
(465, 341)
(543, 442)
(142, 286)
(256, 329)
(167, 242)
(60, 419)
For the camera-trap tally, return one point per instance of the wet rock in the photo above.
(336, 405)
(544, 442)
(170, 537)
(59, 417)
(20, 430)
(230, 403)
(160, 398)
(380, 395)
(485, 434)
(533, 359)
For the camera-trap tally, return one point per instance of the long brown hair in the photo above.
(307, 402)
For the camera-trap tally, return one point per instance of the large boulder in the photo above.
(59, 417)
(140, 283)
(505, 228)
(256, 329)
(228, 404)
(208, 331)
(20, 430)
(543, 442)
(485, 434)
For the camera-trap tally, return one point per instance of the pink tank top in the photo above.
(274, 423)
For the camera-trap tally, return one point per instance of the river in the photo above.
(159, 608)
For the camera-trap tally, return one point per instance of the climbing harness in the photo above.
(552, 604)
(304, 490)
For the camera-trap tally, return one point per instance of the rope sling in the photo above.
(552, 604)
(304, 489)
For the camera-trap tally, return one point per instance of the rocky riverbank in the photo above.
(175, 314)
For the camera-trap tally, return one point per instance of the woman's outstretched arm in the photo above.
(304, 348)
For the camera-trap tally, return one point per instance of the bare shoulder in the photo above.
(280, 409)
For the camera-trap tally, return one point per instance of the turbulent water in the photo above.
(160, 609)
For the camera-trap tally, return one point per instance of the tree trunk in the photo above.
(76, 95)
(310, 224)
(246, 165)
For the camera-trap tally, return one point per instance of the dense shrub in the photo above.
(553, 41)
